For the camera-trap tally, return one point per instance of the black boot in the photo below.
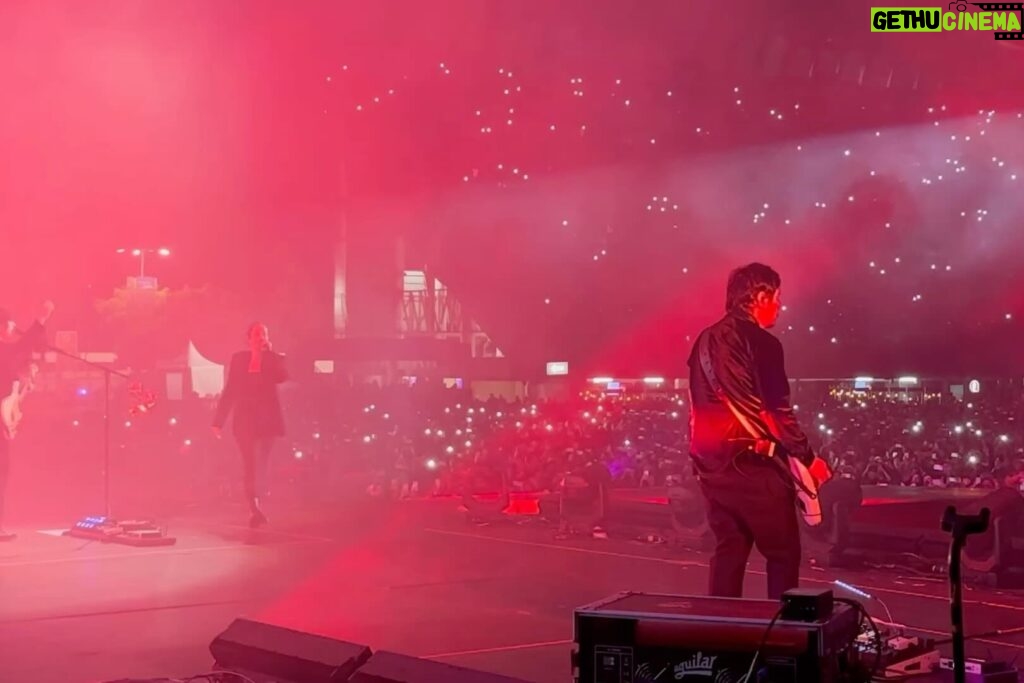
(257, 519)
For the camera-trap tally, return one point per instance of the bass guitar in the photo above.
(808, 501)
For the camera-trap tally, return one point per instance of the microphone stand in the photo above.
(960, 527)
(107, 374)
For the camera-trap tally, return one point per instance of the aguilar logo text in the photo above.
(697, 665)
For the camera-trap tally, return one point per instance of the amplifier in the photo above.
(643, 637)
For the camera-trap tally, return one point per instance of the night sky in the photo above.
(583, 175)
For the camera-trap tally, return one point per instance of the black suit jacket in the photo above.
(252, 396)
(751, 368)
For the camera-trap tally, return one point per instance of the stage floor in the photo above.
(413, 577)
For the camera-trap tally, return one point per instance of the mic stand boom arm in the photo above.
(107, 374)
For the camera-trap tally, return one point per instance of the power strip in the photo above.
(981, 671)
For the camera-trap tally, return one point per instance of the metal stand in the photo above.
(960, 527)
(107, 374)
(104, 528)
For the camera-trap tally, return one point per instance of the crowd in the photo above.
(427, 439)
(943, 442)
(896, 438)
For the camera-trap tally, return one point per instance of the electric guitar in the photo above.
(808, 501)
(10, 405)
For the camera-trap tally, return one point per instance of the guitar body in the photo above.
(10, 411)
(806, 487)
(10, 405)
(808, 502)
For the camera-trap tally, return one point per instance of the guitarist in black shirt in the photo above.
(739, 389)
(16, 348)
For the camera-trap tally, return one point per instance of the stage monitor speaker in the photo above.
(388, 667)
(993, 551)
(251, 646)
(688, 517)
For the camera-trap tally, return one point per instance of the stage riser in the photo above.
(905, 530)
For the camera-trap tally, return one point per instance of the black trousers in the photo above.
(751, 504)
(255, 452)
(5, 470)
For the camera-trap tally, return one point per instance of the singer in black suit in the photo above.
(251, 395)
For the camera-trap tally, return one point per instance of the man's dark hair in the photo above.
(747, 282)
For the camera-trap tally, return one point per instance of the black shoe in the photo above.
(258, 518)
